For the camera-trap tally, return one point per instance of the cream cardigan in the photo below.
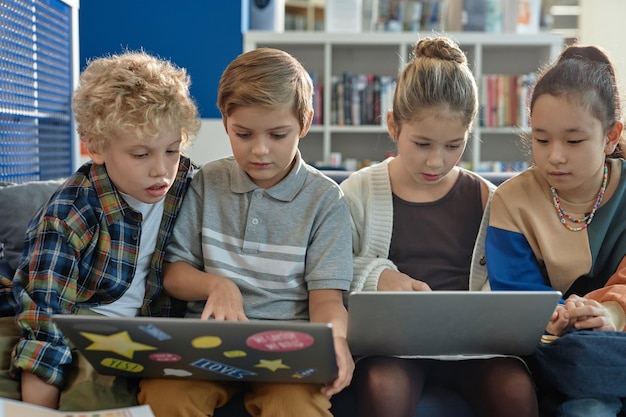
(368, 192)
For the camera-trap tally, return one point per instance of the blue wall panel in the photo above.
(201, 35)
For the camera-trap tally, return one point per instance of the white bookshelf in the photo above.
(383, 53)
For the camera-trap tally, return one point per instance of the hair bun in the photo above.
(439, 48)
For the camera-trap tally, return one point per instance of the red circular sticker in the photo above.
(280, 341)
(164, 357)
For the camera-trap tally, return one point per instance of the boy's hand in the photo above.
(326, 306)
(224, 302)
(391, 280)
(345, 365)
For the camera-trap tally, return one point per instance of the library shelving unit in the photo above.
(329, 55)
(39, 55)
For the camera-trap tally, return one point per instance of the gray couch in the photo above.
(17, 205)
(19, 202)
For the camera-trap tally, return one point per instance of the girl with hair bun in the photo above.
(419, 222)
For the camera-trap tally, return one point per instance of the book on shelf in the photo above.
(387, 88)
(370, 99)
(525, 84)
(337, 99)
(14, 408)
(347, 98)
(359, 82)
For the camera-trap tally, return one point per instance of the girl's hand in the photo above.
(559, 321)
(589, 314)
(224, 302)
(391, 280)
(345, 365)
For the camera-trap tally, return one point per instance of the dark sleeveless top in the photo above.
(434, 241)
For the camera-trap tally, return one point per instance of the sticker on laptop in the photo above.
(221, 368)
(280, 341)
(119, 343)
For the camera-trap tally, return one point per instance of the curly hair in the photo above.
(135, 93)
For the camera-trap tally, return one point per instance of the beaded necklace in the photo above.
(588, 217)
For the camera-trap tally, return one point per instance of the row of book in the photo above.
(356, 99)
(495, 16)
(364, 99)
(505, 100)
(361, 99)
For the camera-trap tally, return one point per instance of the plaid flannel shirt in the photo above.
(82, 249)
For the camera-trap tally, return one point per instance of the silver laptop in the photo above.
(439, 323)
(262, 350)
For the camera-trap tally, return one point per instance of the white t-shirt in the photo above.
(130, 303)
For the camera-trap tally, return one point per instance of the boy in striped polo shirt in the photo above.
(261, 235)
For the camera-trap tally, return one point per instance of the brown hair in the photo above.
(437, 76)
(266, 77)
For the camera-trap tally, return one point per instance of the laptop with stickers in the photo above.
(148, 347)
(446, 323)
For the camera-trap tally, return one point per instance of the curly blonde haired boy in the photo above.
(97, 246)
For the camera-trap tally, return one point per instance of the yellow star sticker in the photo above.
(119, 343)
(271, 365)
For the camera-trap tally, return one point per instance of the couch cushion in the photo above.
(18, 203)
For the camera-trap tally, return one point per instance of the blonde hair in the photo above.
(438, 77)
(133, 92)
(266, 77)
